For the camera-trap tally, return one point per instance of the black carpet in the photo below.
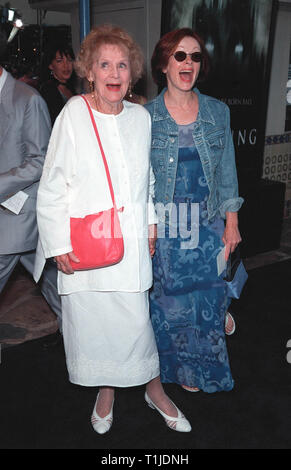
(40, 409)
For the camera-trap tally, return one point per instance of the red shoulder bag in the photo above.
(97, 238)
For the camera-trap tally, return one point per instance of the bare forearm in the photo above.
(232, 219)
(231, 237)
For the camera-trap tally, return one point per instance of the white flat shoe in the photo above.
(102, 425)
(180, 424)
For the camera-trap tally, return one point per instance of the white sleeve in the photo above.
(152, 216)
(53, 200)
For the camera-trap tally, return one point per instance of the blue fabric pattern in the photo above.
(188, 299)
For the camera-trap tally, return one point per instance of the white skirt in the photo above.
(109, 339)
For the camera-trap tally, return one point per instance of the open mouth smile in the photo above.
(186, 75)
(113, 86)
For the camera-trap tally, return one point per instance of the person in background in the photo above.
(26, 74)
(196, 192)
(58, 78)
(108, 336)
(24, 134)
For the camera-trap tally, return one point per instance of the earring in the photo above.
(92, 89)
(129, 90)
(91, 84)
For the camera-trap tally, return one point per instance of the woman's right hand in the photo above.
(63, 262)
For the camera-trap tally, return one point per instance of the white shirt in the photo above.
(74, 184)
(2, 80)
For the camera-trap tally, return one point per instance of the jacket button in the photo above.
(171, 160)
(172, 140)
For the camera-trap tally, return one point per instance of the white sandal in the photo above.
(180, 424)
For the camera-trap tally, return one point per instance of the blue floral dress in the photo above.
(188, 299)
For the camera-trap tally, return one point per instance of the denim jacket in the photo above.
(213, 140)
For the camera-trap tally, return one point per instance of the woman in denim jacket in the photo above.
(196, 191)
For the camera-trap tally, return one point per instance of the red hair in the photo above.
(108, 34)
(165, 48)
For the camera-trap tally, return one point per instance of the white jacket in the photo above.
(74, 184)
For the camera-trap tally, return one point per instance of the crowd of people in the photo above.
(159, 315)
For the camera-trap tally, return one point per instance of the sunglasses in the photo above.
(180, 56)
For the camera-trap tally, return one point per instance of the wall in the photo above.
(29, 15)
(277, 156)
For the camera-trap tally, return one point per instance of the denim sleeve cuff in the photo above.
(231, 205)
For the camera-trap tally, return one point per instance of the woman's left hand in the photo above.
(152, 239)
(231, 237)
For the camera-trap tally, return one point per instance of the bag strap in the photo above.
(101, 149)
